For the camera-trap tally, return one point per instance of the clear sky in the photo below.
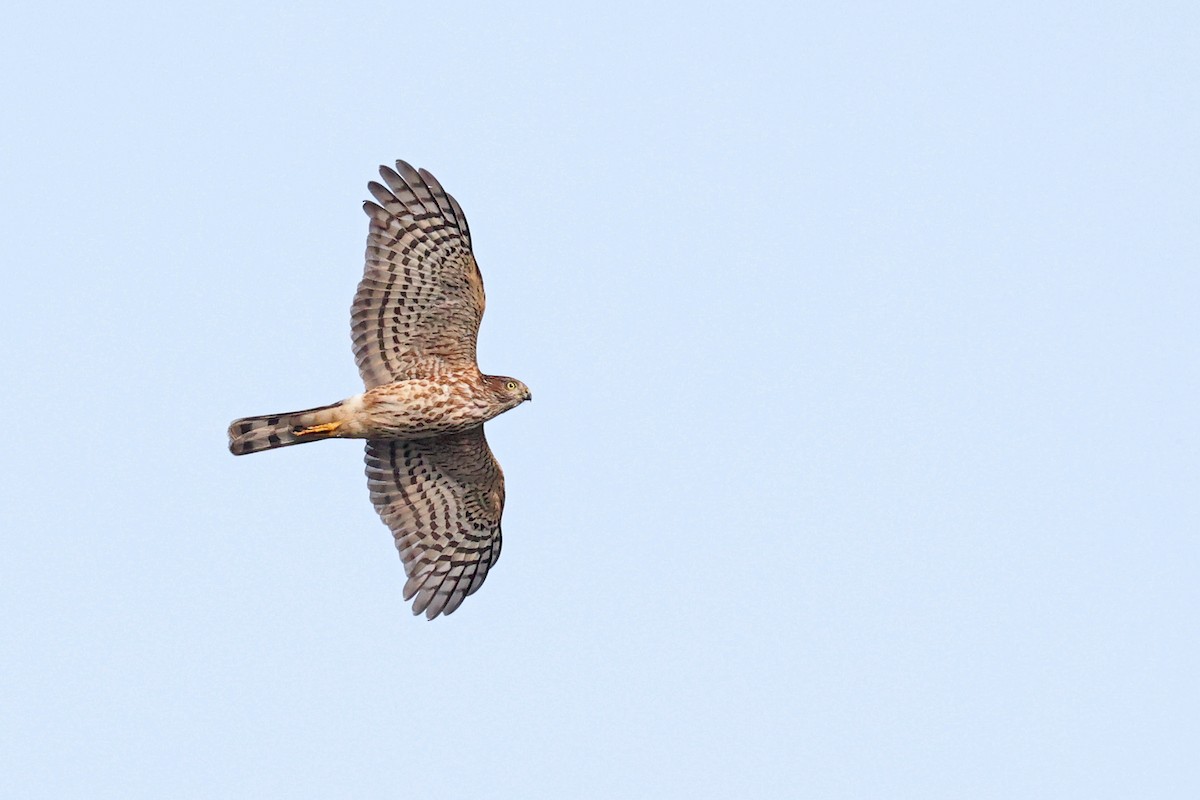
(864, 459)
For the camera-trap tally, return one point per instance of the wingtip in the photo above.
(381, 193)
(388, 174)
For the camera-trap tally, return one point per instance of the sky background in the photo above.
(865, 456)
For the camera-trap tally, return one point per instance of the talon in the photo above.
(325, 427)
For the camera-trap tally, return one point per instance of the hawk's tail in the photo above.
(251, 434)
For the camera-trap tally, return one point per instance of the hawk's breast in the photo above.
(420, 408)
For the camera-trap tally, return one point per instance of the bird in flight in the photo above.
(415, 319)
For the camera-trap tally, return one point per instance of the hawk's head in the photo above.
(509, 392)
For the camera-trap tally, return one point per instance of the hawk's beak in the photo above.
(529, 395)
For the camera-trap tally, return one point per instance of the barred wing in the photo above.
(442, 497)
(418, 307)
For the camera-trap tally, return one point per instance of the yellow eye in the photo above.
(511, 386)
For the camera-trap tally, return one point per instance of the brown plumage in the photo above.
(415, 320)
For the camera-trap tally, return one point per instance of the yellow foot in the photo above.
(326, 427)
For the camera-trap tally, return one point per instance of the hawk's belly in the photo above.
(418, 409)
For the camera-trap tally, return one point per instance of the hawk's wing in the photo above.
(421, 297)
(442, 497)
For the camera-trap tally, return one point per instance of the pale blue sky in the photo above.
(864, 462)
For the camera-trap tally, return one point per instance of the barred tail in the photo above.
(252, 434)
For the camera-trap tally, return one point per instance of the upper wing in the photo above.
(442, 497)
(421, 297)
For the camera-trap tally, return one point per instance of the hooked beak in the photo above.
(529, 395)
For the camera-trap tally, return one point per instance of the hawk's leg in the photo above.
(325, 427)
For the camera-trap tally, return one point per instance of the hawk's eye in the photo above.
(511, 386)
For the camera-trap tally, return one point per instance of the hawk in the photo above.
(415, 319)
